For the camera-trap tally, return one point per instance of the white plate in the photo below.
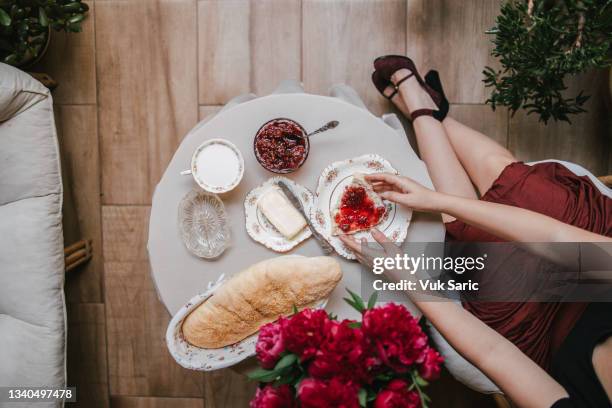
(201, 359)
(330, 187)
(258, 226)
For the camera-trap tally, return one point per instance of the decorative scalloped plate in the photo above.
(330, 187)
(261, 230)
(196, 358)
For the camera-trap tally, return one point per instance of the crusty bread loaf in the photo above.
(259, 295)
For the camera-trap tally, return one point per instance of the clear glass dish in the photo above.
(203, 224)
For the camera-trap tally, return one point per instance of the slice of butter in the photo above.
(276, 207)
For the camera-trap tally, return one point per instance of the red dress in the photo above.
(538, 329)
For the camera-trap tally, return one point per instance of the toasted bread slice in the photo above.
(359, 208)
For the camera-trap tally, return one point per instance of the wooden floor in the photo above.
(141, 75)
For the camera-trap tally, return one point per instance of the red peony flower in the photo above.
(313, 393)
(396, 335)
(431, 366)
(304, 332)
(270, 345)
(273, 397)
(397, 395)
(342, 354)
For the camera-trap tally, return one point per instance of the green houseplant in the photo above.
(25, 26)
(539, 43)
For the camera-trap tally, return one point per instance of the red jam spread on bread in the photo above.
(357, 210)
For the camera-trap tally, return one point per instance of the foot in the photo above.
(412, 94)
(397, 100)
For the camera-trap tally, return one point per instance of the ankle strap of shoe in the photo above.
(421, 112)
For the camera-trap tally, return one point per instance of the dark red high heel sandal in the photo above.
(387, 65)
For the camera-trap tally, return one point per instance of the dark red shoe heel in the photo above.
(432, 78)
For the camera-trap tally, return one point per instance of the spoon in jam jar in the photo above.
(327, 126)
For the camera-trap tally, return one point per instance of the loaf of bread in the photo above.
(259, 295)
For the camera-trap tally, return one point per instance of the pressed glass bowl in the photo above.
(203, 224)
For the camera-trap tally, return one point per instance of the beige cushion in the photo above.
(18, 92)
(32, 310)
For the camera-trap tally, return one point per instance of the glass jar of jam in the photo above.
(280, 145)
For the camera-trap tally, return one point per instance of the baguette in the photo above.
(258, 295)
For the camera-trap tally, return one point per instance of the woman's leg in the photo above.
(602, 355)
(482, 157)
(444, 168)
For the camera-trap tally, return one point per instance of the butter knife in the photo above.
(327, 248)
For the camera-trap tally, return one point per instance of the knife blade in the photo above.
(326, 246)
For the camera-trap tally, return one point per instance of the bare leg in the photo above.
(444, 167)
(602, 355)
(482, 158)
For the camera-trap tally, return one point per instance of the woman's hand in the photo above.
(364, 253)
(405, 191)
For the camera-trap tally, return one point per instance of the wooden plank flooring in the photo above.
(223, 50)
(449, 37)
(78, 135)
(70, 60)
(146, 59)
(138, 361)
(143, 72)
(147, 402)
(276, 43)
(586, 141)
(342, 38)
(87, 354)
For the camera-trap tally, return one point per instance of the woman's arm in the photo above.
(522, 380)
(513, 223)
(515, 374)
(504, 221)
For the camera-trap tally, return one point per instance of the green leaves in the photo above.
(286, 361)
(538, 51)
(24, 25)
(417, 383)
(372, 300)
(42, 17)
(282, 369)
(74, 6)
(357, 302)
(5, 19)
(363, 397)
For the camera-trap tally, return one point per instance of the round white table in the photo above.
(179, 275)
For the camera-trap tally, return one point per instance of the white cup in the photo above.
(217, 166)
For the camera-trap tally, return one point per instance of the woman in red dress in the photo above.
(545, 203)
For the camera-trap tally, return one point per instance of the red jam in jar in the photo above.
(280, 146)
(357, 211)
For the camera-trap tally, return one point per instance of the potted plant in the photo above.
(25, 26)
(541, 42)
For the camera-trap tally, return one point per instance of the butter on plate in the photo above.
(276, 207)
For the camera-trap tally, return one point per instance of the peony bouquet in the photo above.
(313, 360)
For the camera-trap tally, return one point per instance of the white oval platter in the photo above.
(330, 187)
(201, 359)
